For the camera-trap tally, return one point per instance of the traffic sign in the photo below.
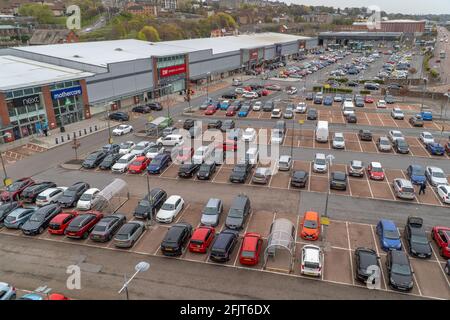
(150, 118)
(301, 121)
(325, 221)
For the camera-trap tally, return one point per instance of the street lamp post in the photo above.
(167, 95)
(109, 124)
(242, 72)
(424, 88)
(140, 267)
(207, 85)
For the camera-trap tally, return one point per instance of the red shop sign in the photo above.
(254, 55)
(172, 70)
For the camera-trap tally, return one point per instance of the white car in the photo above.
(398, 114)
(170, 209)
(201, 154)
(395, 134)
(426, 137)
(153, 151)
(311, 260)
(249, 135)
(320, 163)
(301, 107)
(257, 106)
(141, 148)
(126, 147)
(49, 195)
(381, 104)
(123, 163)
(85, 201)
(276, 113)
(435, 176)
(250, 95)
(338, 98)
(444, 193)
(171, 140)
(277, 136)
(291, 90)
(338, 141)
(240, 90)
(122, 129)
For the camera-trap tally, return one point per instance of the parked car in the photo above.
(126, 147)
(122, 129)
(250, 249)
(141, 109)
(71, 195)
(355, 168)
(394, 135)
(159, 163)
(365, 135)
(238, 213)
(7, 292)
(435, 176)
(401, 146)
(141, 148)
(40, 219)
(150, 204)
(111, 148)
(249, 135)
(14, 190)
(320, 163)
(426, 115)
(119, 116)
(426, 137)
(128, 234)
(310, 226)
(388, 235)
(381, 104)
(365, 258)
(155, 150)
(82, 225)
(227, 125)
(188, 170)
(351, 118)
(17, 217)
(107, 227)
(399, 269)
(416, 121)
(262, 175)
(416, 173)
(29, 194)
(201, 239)
(397, 114)
(109, 161)
(7, 207)
(86, 200)
(139, 164)
(441, 235)
(338, 141)
(206, 170)
(285, 163)
(240, 172)
(375, 171)
(60, 222)
(223, 245)
(299, 178)
(215, 124)
(170, 209)
(403, 189)
(311, 261)
(123, 163)
(416, 238)
(383, 144)
(211, 212)
(338, 180)
(435, 149)
(94, 159)
(311, 114)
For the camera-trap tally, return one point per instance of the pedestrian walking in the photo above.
(423, 186)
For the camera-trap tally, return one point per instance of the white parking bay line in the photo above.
(182, 213)
(350, 252)
(440, 266)
(378, 253)
(368, 182)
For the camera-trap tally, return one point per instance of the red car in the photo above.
(210, 110)
(201, 239)
(80, 227)
(57, 296)
(231, 111)
(442, 237)
(59, 223)
(250, 249)
(230, 145)
(375, 171)
(184, 154)
(369, 99)
(14, 190)
(310, 226)
(264, 92)
(139, 165)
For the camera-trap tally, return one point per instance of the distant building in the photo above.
(405, 26)
(141, 8)
(53, 36)
(223, 32)
(170, 5)
(324, 18)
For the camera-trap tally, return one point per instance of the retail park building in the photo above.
(66, 83)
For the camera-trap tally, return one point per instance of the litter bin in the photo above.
(62, 129)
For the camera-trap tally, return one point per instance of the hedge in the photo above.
(332, 90)
(365, 92)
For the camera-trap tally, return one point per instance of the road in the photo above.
(444, 65)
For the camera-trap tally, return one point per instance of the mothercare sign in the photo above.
(65, 93)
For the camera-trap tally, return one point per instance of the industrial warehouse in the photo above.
(91, 77)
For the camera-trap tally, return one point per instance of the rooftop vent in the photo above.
(76, 56)
(118, 49)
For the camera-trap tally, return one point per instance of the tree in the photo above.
(42, 13)
(148, 33)
(170, 31)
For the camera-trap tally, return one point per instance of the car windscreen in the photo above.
(100, 228)
(408, 189)
(235, 213)
(92, 156)
(377, 169)
(69, 193)
(419, 239)
(384, 141)
(86, 197)
(37, 217)
(339, 139)
(339, 176)
(438, 174)
(417, 171)
(310, 224)
(210, 210)
(248, 254)
(125, 145)
(168, 206)
(204, 168)
(320, 162)
(401, 269)
(123, 160)
(13, 187)
(153, 149)
(402, 143)
(239, 169)
(156, 161)
(391, 234)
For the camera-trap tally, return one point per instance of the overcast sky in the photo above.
(390, 6)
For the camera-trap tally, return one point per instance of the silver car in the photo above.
(356, 168)
(211, 212)
(17, 218)
(7, 292)
(435, 176)
(403, 189)
(383, 144)
(128, 234)
(261, 176)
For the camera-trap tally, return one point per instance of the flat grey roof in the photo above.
(21, 73)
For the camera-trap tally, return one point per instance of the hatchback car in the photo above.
(355, 168)
(211, 212)
(375, 171)
(60, 222)
(388, 235)
(176, 239)
(338, 141)
(441, 235)
(401, 146)
(435, 176)
(122, 129)
(201, 239)
(214, 124)
(150, 204)
(444, 193)
(188, 170)
(123, 163)
(206, 170)
(399, 269)
(40, 219)
(128, 234)
(250, 249)
(170, 209)
(310, 226)
(261, 176)
(29, 194)
(105, 229)
(383, 144)
(119, 116)
(94, 159)
(416, 121)
(426, 137)
(338, 180)
(159, 163)
(416, 173)
(223, 245)
(403, 189)
(240, 172)
(285, 163)
(126, 147)
(365, 135)
(87, 199)
(82, 225)
(320, 163)
(109, 161)
(71, 195)
(395, 134)
(416, 238)
(311, 261)
(239, 212)
(14, 190)
(299, 178)
(311, 114)
(7, 207)
(138, 165)
(435, 149)
(365, 258)
(17, 218)
(141, 148)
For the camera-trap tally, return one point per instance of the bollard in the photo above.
(68, 137)
(85, 131)
(95, 127)
(62, 139)
(79, 133)
(56, 140)
(90, 129)
(74, 135)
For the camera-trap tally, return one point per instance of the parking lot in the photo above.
(341, 239)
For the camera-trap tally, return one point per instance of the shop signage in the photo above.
(68, 92)
(302, 45)
(26, 101)
(253, 54)
(172, 70)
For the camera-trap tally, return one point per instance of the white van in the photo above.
(322, 131)
(252, 156)
(348, 107)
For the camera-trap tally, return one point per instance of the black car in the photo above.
(141, 109)
(7, 207)
(223, 245)
(40, 219)
(309, 96)
(109, 161)
(364, 258)
(71, 195)
(389, 99)
(176, 239)
(416, 238)
(401, 146)
(29, 194)
(150, 204)
(215, 124)
(365, 135)
(228, 125)
(399, 270)
(188, 123)
(119, 116)
(394, 86)
(299, 178)
(311, 114)
(187, 170)
(352, 84)
(107, 227)
(229, 95)
(351, 118)
(338, 180)
(155, 106)
(111, 148)
(240, 172)
(94, 159)
(206, 171)
(268, 106)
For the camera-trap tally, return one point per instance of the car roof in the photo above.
(172, 199)
(127, 156)
(128, 227)
(250, 242)
(311, 215)
(284, 158)
(404, 182)
(320, 155)
(91, 191)
(213, 202)
(46, 192)
(357, 162)
(375, 164)
(312, 253)
(388, 224)
(200, 233)
(399, 257)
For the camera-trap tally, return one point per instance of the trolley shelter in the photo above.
(280, 245)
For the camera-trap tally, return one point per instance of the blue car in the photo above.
(159, 163)
(389, 236)
(416, 173)
(435, 148)
(244, 111)
(426, 115)
(224, 105)
(17, 218)
(7, 291)
(328, 101)
(31, 296)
